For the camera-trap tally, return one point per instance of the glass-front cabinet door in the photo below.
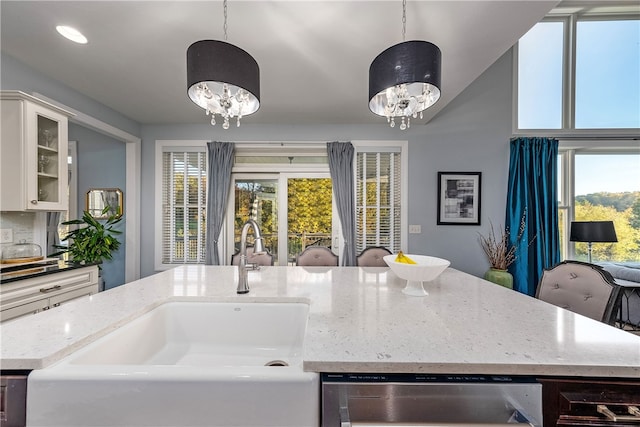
(33, 154)
(47, 187)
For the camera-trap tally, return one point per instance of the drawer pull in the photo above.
(611, 416)
(51, 289)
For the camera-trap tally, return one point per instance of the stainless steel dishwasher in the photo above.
(429, 400)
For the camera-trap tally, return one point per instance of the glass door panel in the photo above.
(257, 199)
(48, 160)
(309, 215)
(293, 210)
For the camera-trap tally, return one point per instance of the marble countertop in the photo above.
(359, 321)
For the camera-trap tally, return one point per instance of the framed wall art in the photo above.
(459, 198)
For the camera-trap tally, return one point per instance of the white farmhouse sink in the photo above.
(185, 364)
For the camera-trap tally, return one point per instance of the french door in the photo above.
(293, 209)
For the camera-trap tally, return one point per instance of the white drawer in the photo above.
(24, 309)
(47, 285)
(38, 293)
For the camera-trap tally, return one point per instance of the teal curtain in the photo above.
(532, 210)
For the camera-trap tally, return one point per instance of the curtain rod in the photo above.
(585, 137)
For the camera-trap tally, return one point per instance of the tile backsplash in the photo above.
(24, 225)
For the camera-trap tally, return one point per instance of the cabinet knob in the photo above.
(34, 202)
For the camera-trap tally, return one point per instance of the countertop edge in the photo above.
(585, 371)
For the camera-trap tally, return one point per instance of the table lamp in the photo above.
(592, 231)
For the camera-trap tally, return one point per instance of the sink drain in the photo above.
(276, 363)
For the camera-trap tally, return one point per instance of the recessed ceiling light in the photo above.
(72, 34)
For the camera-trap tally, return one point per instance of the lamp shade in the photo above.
(413, 63)
(592, 231)
(217, 63)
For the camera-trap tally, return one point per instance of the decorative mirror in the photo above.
(99, 198)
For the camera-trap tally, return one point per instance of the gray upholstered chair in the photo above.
(372, 257)
(583, 288)
(261, 259)
(317, 256)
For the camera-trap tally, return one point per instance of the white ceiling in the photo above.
(314, 56)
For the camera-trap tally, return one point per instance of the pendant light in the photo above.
(223, 79)
(404, 80)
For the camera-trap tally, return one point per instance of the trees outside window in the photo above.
(606, 188)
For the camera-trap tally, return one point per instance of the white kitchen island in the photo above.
(360, 324)
(359, 321)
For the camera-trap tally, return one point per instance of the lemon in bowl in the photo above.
(425, 269)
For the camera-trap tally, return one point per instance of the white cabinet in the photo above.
(33, 154)
(32, 295)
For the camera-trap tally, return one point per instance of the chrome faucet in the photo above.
(258, 248)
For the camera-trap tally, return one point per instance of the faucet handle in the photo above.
(253, 266)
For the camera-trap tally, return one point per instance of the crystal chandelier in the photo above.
(223, 79)
(404, 80)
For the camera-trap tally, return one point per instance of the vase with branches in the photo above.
(501, 253)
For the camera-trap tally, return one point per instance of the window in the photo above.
(578, 77)
(381, 192)
(540, 68)
(607, 74)
(261, 172)
(378, 200)
(597, 88)
(184, 175)
(606, 188)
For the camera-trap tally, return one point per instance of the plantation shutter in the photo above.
(378, 200)
(184, 206)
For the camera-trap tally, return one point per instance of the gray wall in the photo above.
(471, 134)
(101, 164)
(16, 75)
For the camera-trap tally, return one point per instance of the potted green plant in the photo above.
(93, 241)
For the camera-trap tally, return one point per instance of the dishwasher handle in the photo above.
(346, 422)
(380, 424)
